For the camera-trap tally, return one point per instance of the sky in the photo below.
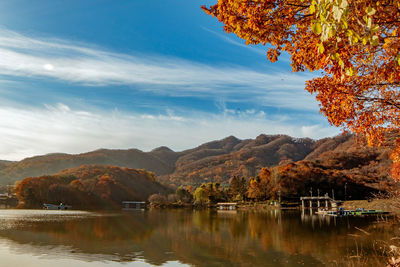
(76, 76)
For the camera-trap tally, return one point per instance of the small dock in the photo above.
(226, 206)
(133, 205)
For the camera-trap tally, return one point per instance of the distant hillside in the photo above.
(220, 160)
(161, 161)
(214, 161)
(351, 169)
(89, 186)
(5, 163)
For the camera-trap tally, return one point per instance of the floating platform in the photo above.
(56, 207)
(356, 212)
(134, 205)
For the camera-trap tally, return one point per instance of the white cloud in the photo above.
(59, 128)
(25, 56)
(49, 67)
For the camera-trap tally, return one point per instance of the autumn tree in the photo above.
(183, 194)
(200, 195)
(157, 200)
(261, 187)
(254, 191)
(208, 193)
(237, 188)
(214, 192)
(353, 44)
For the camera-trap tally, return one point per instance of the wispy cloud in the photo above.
(24, 56)
(59, 128)
(227, 39)
(258, 49)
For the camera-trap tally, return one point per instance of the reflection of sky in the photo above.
(50, 257)
(76, 76)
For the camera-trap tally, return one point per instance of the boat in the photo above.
(61, 206)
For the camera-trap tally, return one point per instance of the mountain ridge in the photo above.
(216, 160)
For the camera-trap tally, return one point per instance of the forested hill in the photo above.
(220, 160)
(89, 186)
(217, 159)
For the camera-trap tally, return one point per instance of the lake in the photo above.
(190, 238)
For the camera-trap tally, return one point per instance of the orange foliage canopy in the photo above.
(354, 44)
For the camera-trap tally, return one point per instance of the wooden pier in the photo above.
(133, 205)
(328, 201)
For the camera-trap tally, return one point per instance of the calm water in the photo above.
(185, 238)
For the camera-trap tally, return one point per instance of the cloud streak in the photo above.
(59, 128)
(24, 56)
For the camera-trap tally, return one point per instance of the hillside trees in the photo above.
(157, 200)
(354, 45)
(200, 195)
(89, 186)
(260, 187)
(238, 188)
(208, 194)
(183, 194)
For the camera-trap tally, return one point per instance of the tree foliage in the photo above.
(157, 200)
(209, 193)
(354, 44)
(200, 195)
(183, 194)
(238, 188)
(260, 188)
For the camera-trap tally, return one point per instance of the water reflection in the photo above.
(200, 238)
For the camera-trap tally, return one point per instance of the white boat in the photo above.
(61, 206)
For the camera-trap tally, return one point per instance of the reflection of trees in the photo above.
(202, 238)
(106, 235)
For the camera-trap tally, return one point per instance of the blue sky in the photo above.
(81, 75)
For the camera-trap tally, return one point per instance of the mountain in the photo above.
(160, 161)
(220, 160)
(89, 186)
(5, 163)
(215, 161)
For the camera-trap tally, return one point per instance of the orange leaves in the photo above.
(273, 54)
(355, 45)
(254, 191)
(395, 156)
(396, 171)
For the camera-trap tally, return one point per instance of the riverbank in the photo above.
(256, 206)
